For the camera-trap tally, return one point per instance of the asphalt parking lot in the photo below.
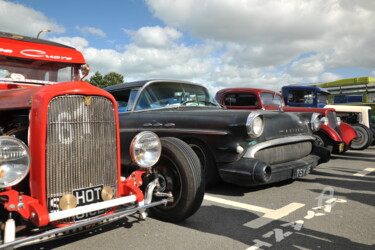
(332, 208)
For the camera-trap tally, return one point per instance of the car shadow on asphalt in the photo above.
(229, 189)
(350, 174)
(354, 159)
(126, 223)
(359, 185)
(228, 222)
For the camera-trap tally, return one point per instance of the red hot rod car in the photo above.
(60, 151)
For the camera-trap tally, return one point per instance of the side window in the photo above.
(302, 96)
(122, 98)
(240, 100)
(270, 99)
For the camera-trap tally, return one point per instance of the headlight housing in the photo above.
(255, 124)
(15, 161)
(315, 122)
(145, 149)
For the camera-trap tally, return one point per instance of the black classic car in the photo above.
(241, 147)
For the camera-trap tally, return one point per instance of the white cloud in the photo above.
(86, 30)
(78, 43)
(154, 37)
(248, 43)
(19, 19)
(271, 33)
(329, 77)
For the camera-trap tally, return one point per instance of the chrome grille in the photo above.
(332, 120)
(284, 153)
(81, 145)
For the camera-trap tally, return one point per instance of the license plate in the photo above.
(299, 172)
(86, 196)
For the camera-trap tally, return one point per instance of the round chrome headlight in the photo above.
(145, 149)
(255, 124)
(15, 161)
(324, 120)
(315, 122)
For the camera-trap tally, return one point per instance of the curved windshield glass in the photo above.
(169, 94)
(37, 71)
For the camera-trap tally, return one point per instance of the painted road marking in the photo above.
(364, 172)
(274, 215)
(269, 214)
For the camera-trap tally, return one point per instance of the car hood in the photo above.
(232, 122)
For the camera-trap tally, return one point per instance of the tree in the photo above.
(109, 79)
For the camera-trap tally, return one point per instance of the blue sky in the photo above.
(226, 43)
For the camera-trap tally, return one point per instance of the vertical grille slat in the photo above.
(81, 145)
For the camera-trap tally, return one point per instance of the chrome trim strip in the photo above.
(250, 153)
(90, 208)
(168, 130)
(82, 224)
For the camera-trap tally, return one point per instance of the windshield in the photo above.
(37, 71)
(169, 94)
(301, 96)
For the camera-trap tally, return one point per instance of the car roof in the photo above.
(32, 39)
(254, 90)
(299, 87)
(139, 84)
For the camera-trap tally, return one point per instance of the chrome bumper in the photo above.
(57, 231)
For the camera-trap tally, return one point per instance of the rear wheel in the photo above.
(179, 173)
(364, 138)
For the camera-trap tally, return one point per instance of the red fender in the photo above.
(348, 133)
(331, 133)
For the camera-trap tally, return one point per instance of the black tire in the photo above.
(323, 140)
(207, 161)
(364, 138)
(179, 172)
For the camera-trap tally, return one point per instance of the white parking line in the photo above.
(269, 214)
(274, 215)
(364, 172)
(237, 204)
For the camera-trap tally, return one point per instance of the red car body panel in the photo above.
(348, 133)
(39, 51)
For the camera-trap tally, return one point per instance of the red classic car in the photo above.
(333, 134)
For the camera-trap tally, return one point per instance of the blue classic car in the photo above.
(241, 147)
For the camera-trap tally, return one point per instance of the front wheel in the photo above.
(210, 173)
(323, 141)
(364, 138)
(179, 173)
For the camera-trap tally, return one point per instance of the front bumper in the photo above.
(251, 172)
(73, 228)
